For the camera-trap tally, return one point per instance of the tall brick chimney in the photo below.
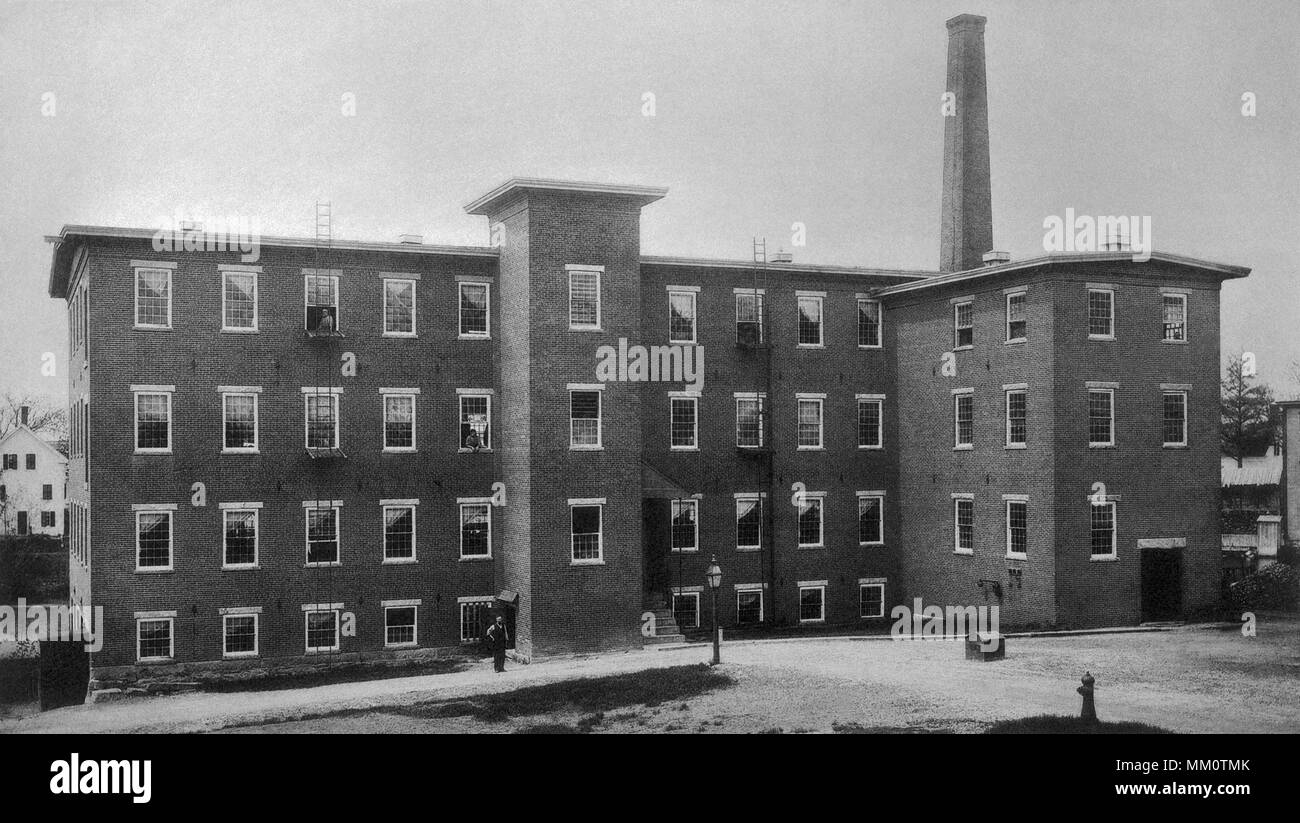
(966, 231)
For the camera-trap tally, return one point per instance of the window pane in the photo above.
(1175, 418)
(749, 523)
(474, 619)
(584, 414)
(681, 321)
(1103, 528)
(965, 406)
(586, 532)
(810, 522)
(749, 607)
(399, 533)
(810, 320)
(154, 540)
(810, 604)
(1017, 430)
(868, 323)
(1017, 527)
(871, 600)
(322, 303)
(241, 538)
(1099, 417)
(1175, 317)
(241, 421)
(241, 300)
(810, 423)
(749, 431)
(584, 299)
(322, 630)
(963, 316)
(966, 525)
(749, 319)
(870, 511)
(684, 525)
(475, 425)
(322, 536)
(683, 422)
(1016, 317)
(155, 638)
(241, 634)
(473, 308)
(322, 423)
(153, 297)
(869, 423)
(399, 625)
(399, 306)
(474, 525)
(153, 430)
(686, 610)
(1099, 313)
(399, 422)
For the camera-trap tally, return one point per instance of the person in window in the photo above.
(497, 639)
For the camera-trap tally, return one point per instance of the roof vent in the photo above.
(191, 225)
(410, 239)
(782, 256)
(996, 258)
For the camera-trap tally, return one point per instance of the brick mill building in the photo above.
(358, 449)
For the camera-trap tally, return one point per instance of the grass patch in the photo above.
(1062, 724)
(593, 696)
(343, 673)
(551, 728)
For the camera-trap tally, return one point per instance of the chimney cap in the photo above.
(963, 21)
(782, 256)
(996, 258)
(410, 239)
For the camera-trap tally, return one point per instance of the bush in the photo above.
(1062, 724)
(1274, 588)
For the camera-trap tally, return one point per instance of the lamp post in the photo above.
(714, 578)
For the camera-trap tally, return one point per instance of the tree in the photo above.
(44, 417)
(1247, 422)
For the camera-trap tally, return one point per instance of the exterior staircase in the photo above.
(666, 629)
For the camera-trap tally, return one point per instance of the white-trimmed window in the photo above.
(812, 602)
(153, 538)
(963, 525)
(749, 522)
(810, 319)
(1101, 417)
(400, 626)
(399, 421)
(584, 299)
(683, 421)
(749, 604)
(749, 420)
(963, 325)
(871, 518)
(749, 316)
(475, 529)
(399, 307)
(963, 419)
(685, 522)
(475, 420)
(586, 519)
(810, 420)
(153, 420)
(871, 598)
(153, 298)
(1101, 314)
(1174, 422)
(869, 324)
(475, 616)
(239, 536)
(322, 534)
(871, 433)
(321, 301)
(239, 633)
(1017, 325)
(584, 418)
(1017, 417)
(686, 608)
(321, 629)
(681, 314)
(239, 421)
(1174, 317)
(811, 510)
(155, 637)
(1102, 529)
(475, 309)
(239, 300)
(1017, 528)
(399, 531)
(321, 418)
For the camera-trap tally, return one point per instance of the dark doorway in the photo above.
(65, 674)
(1162, 585)
(508, 610)
(22, 522)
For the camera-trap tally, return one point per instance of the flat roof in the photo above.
(804, 268)
(641, 195)
(1224, 270)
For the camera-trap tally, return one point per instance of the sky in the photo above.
(765, 114)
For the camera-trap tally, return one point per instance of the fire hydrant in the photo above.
(1089, 711)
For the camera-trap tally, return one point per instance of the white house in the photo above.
(33, 475)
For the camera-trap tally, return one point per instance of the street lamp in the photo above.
(714, 578)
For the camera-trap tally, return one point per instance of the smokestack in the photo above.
(966, 231)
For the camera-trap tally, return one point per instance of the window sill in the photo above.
(1175, 342)
(463, 450)
(399, 561)
(813, 620)
(684, 551)
(1016, 446)
(487, 558)
(684, 448)
(811, 448)
(964, 447)
(1015, 556)
(810, 345)
(240, 451)
(812, 546)
(406, 335)
(878, 545)
(1103, 558)
(875, 348)
(334, 564)
(1102, 338)
(872, 448)
(1019, 341)
(243, 567)
(152, 570)
(585, 328)
(574, 448)
(153, 451)
(232, 330)
(963, 348)
(586, 562)
(399, 450)
(1174, 446)
(672, 342)
(139, 327)
(1101, 445)
(463, 336)
(155, 660)
(239, 655)
(964, 552)
(333, 650)
(401, 645)
(749, 548)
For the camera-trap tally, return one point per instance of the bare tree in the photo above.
(44, 416)
(1247, 420)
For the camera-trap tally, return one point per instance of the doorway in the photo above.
(1162, 585)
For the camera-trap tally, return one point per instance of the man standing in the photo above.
(498, 639)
